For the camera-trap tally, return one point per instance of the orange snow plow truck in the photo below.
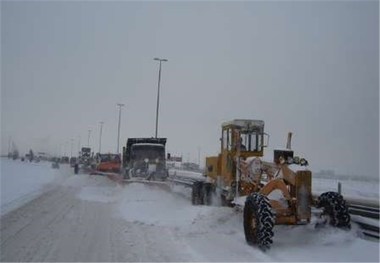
(109, 162)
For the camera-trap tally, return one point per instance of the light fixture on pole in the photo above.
(118, 129)
(158, 90)
(100, 136)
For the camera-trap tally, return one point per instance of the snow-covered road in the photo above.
(90, 218)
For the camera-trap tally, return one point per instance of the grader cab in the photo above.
(240, 139)
(275, 194)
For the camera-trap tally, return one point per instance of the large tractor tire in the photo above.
(258, 221)
(197, 193)
(151, 176)
(208, 192)
(335, 208)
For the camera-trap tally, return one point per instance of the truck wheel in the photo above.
(197, 193)
(258, 221)
(207, 193)
(151, 176)
(335, 208)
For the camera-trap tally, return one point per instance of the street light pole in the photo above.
(118, 129)
(79, 144)
(71, 148)
(88, 138)
(100, 136)
(158, 91)
(199, 157)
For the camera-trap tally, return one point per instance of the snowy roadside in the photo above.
(91, 218)
(165, 225)
(22, 182)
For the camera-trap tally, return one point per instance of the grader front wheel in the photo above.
(334, 209)
(258, 221)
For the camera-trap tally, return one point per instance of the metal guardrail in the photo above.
(183, 179)
(188, 183)
(364, 211)
(367, 217)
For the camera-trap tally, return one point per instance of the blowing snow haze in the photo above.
(307, 67)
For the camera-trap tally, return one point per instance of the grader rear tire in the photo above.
(197, 194)
(258, 221)
(335, 207)
(208, 192)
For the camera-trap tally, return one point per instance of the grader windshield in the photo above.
(246, 136)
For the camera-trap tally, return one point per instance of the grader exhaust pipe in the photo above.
(289, 141)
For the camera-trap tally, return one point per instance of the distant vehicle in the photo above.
(65, 159)
(85, 156)
(55, 165)
(145, 157)
(109, 162)
(15, 155)
(43, 156)
(73, 161)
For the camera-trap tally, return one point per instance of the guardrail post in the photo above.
(339, 188)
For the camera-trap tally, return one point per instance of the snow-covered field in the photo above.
(94, 219)
(364, 189)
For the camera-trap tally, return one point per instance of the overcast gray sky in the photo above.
(307, 67)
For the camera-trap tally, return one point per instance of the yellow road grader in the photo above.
(275, 194)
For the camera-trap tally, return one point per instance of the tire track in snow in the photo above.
(59, 227)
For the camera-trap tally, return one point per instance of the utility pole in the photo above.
(118, 127)
(88, 138)
(9, 144)
(158, 91)
(79, 144)
(100, 136)
(199, 157)
(71, 148)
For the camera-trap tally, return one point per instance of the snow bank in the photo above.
(153, 206)
(166, 222)
(215, 233)
(23, 181)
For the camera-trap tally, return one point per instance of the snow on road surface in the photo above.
(23, 181)
(90, 218)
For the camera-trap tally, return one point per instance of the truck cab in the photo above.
(145, 157)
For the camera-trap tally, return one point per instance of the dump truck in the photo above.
(86, 161)
(145, 158)
(273, 191)
(73, 161)
(85, 156)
